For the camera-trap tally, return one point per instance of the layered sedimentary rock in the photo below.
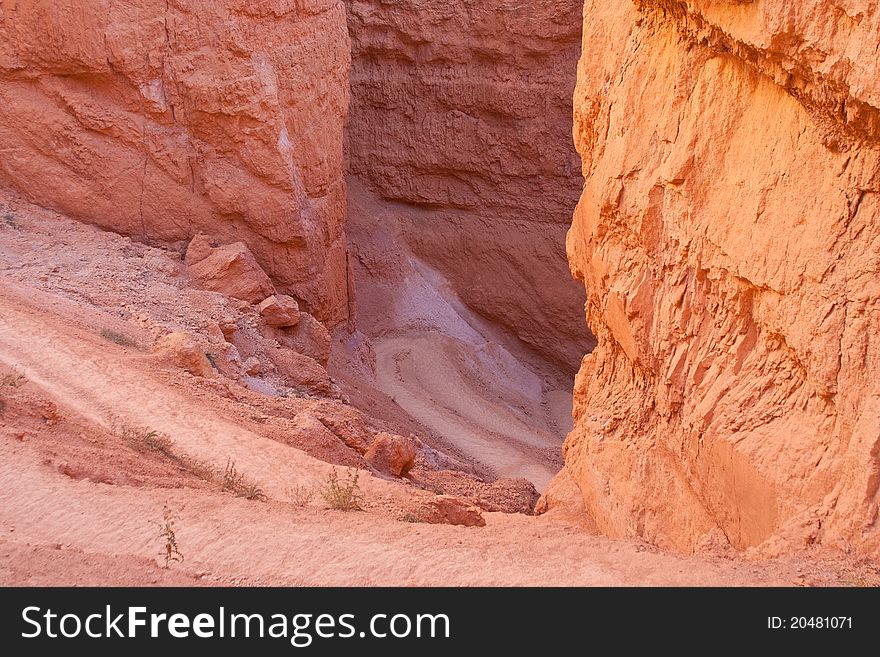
(160, 118)
(462, 111)
(729, 238)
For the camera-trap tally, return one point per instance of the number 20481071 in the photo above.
(810, 623)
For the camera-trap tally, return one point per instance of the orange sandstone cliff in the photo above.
(729, 239)
(461, 114)
(160, 118)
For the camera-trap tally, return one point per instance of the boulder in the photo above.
(230, 269)
(184, 351)
(280, 311)
(252, 366)
(308, 337)
(391, 454)
(449, 510)
(300, 371)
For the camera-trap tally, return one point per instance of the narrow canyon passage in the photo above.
(463, 178)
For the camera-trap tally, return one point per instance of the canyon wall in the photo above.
(461, 113)
(729, 238)
(162, 118)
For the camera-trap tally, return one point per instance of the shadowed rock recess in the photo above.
(729, 238)
(462, 111)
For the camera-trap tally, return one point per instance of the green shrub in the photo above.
(342, 495)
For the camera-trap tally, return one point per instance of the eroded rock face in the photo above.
(160, 118)
(462, 111)
(729, 238)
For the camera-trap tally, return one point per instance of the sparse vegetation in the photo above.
(2, 405)
(150, 441)
(300, 495)
(409, 516)
(167, 534)
(236, 483)
(250, 491)
(144, 439)
(342, 495)
(117, 338)
(14, 379)
(9, 220)
(232, 478)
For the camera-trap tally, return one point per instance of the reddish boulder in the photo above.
(184, 351)
(391, 454)
(280, 311)
(300, 371)
(308, 337)
(252, 366)
(230, 269)
(448, 510)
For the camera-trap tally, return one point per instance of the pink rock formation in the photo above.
(729, 238)
(159, 119)
(463, 111)
(183, 350)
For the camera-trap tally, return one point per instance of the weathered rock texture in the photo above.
(159, 118)
(729, 238)
(463, 110)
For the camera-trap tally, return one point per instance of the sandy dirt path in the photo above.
(227, 539)
(57, 529)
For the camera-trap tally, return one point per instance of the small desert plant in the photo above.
(2, 405)
(342, 495)
(409, 516)
(144, 439)
(300, 495)
(250, 491)
(232, 478)
(14, 379)
(236, 483)
(157, 442)
(170, 550)
(9, 218)
(117, 338)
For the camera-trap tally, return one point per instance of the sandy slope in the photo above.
(74, 523)
(425, 374)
